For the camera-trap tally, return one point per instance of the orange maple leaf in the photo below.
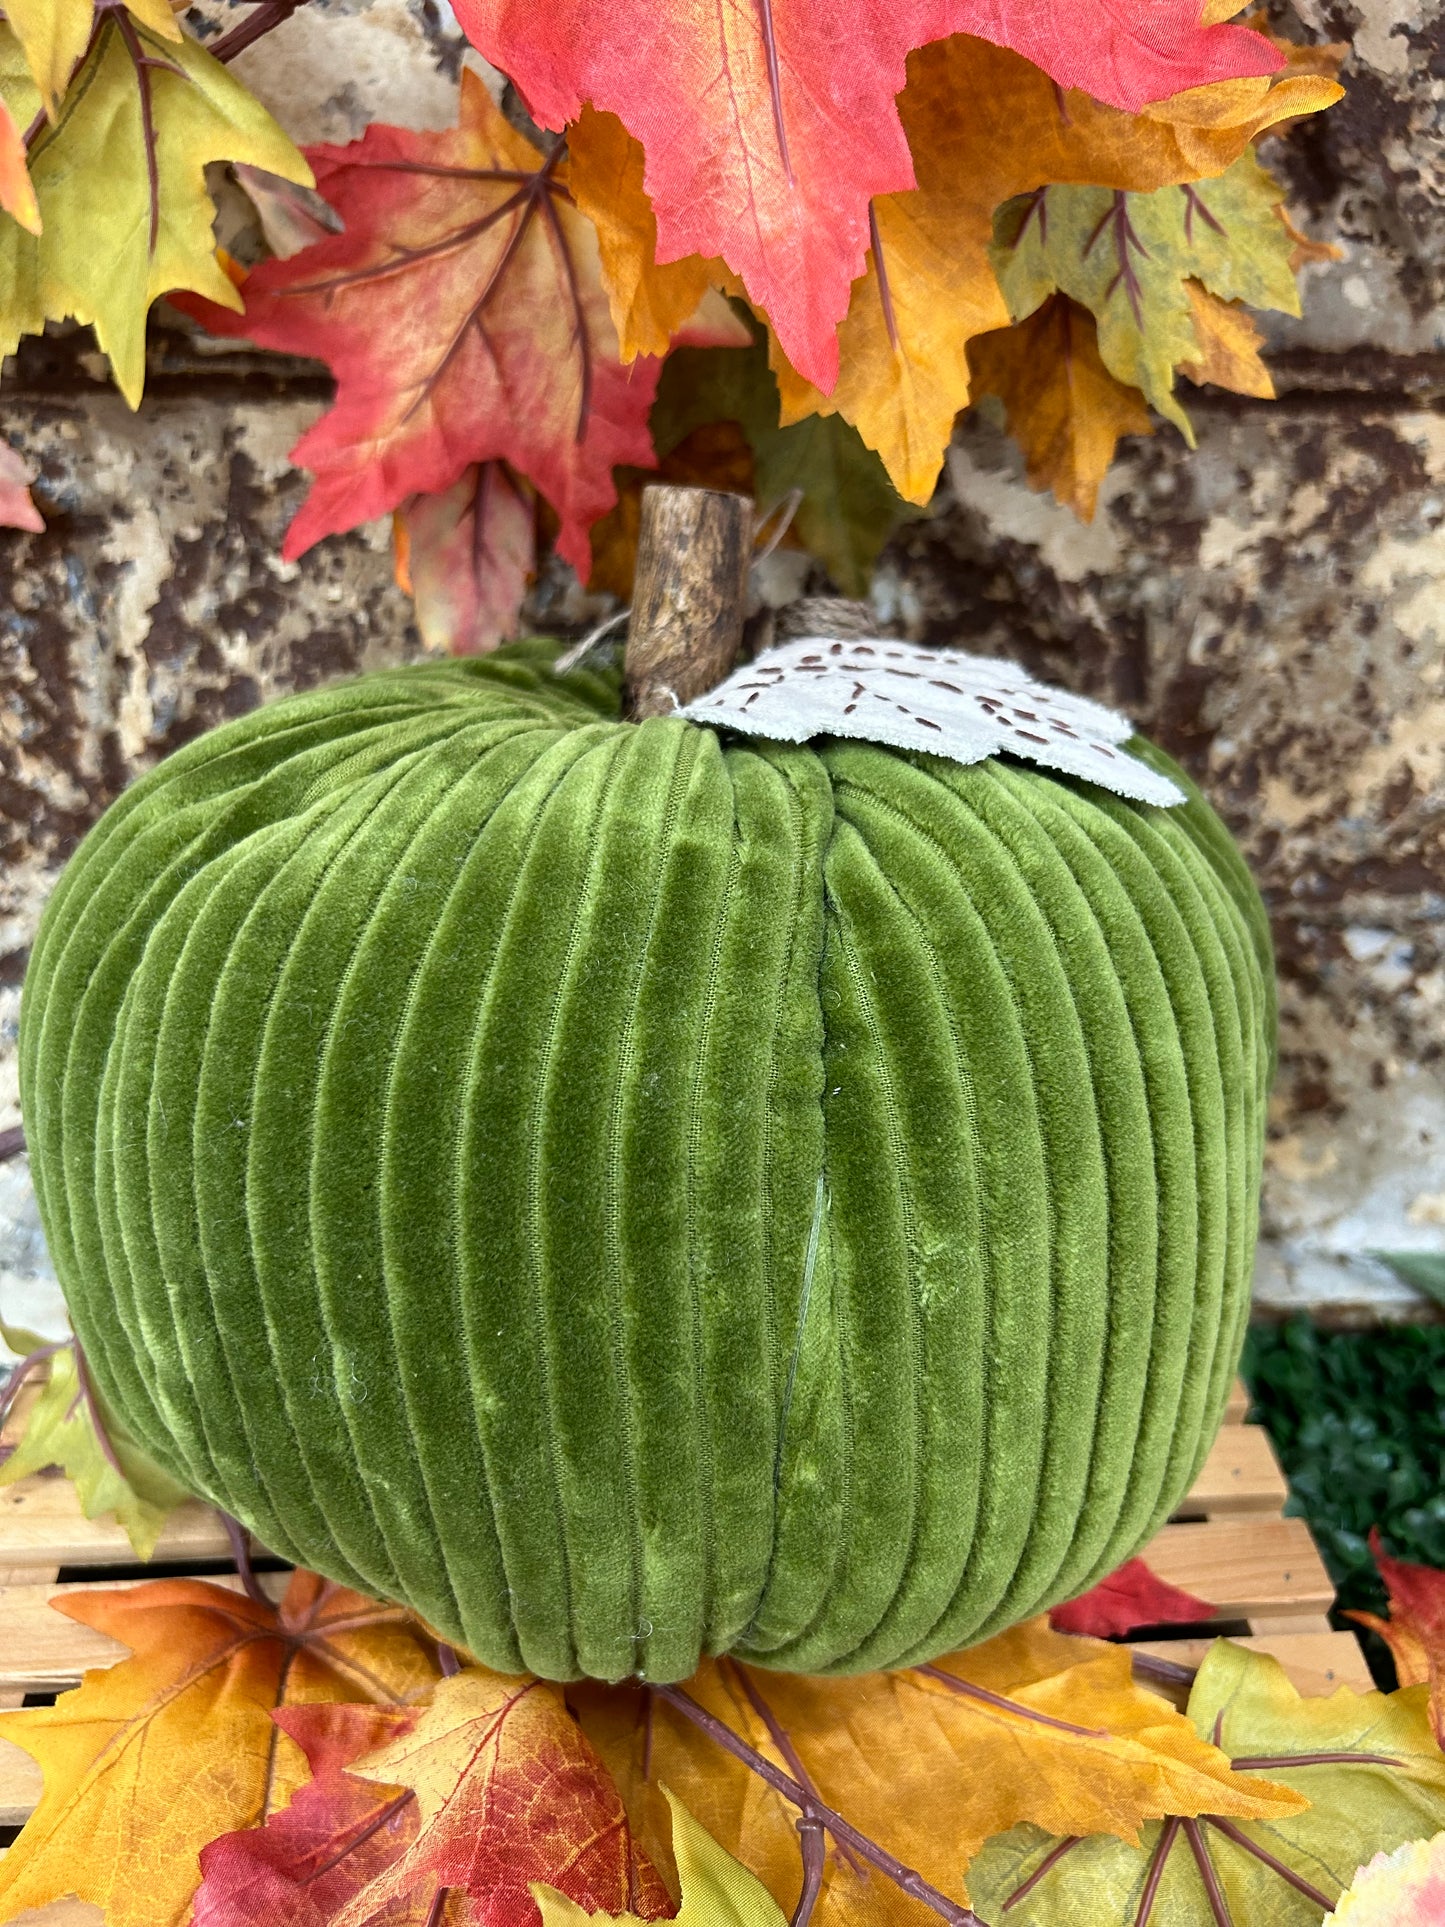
(1063, 408)
(1229, 344)
(147, 1761)
(463, 314)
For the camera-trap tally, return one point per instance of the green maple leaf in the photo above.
(1367, 1762)
(849, 508)
(119, 174)
(1128, 256)
(108, 1471)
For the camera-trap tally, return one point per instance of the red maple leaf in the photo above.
(769, 125)
(463, 314)
(446, 1812)
(311, 1858)
(1415, 1629)
(1130, 1597)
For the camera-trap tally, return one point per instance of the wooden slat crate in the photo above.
(1229, 1544)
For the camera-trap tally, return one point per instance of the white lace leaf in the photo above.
(963, 707)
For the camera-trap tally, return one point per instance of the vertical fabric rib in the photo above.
(631, 1193)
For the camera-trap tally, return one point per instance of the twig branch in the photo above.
(912, 1883)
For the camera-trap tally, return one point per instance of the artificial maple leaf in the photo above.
(313, 1856)
(1066, 412)
(462, 313)
(67, 1428)
(1415, 1629)
(507, 1791)
(149, 1760)
(1366, 1763)
(1129, 256)
(716, 1889)
(927, 1763)
(119, 178)
(1405, 1888)
(767, 130)
(1229, 344)
(292, 217)
(466, 556)
(17, 192)
(847, 508)
(715, 455)
(1128, 1599)
(650, 302)
(930, 286)
(17, 509)
(55, 35)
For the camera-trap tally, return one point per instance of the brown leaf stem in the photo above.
(1116, 216)
(1046, 1865)
(142, 65)
(86, 1395)
(1282, 1762)
(880, 269)
(1217, 1904)
(447, 1660)
(12, 1139)
(970, 1691)
(1194, 204)
(911, 1883)
(1167, 1837)
(271, 13)
(1166, 1672)
(1242, 1839)
(241, 1559)
(815, 1851)
(778, 1733)
(23, 1371)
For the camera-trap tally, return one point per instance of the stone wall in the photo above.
(1271, 608)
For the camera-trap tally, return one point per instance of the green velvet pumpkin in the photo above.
(633, 1193)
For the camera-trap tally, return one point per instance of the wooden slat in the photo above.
(1318, 1663)
(20, 1785)
(1245, 1566)
(42, 1650)
(42, 1525)
(1238, 1403)
(1264, 1625)
(1241, 1474)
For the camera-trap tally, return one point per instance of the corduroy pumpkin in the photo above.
(633, 1192)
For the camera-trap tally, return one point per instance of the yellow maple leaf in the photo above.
(1228, 346)
(56, 33)
(1063, 407)
(984, 125)
(650, 301)
(119, 176)
(928, 1762)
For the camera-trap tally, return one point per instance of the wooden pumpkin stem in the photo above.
(689, 597)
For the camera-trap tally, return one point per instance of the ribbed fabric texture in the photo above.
(630, 1193)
